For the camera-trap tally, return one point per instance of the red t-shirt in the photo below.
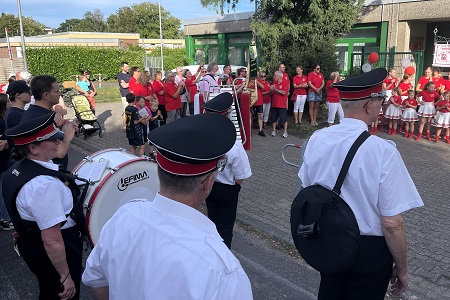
(422, 81)
(405, 87)
(230, 79)
(410, 101)
(438, 81)
(278, 100)
(428, 96)
(397, 99)
(132, 85)
(158, 86)
(443, 103)
(169, 90)
(390, 83)
(298, 80)
(447, 85)
(316, 80)
(238, 82)
(140, 90)
(191, 87)
(332, 93)
(266, 98)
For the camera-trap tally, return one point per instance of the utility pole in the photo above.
(22, 37)
(161, 39)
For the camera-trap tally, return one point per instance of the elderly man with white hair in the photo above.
(280, 90)
(208, 84)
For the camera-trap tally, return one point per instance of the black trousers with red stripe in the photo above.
(367, 279)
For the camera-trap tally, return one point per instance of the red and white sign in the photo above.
(442, 55)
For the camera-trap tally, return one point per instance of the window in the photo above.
(213, 55)
(235, 56)
(200, 56)
(206, 41)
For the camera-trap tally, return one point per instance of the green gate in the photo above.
(388, 60)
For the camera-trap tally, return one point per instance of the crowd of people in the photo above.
(49, 239)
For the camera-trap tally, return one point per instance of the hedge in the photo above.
(66, 61)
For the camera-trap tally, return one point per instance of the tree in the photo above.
(143, 18)
(30, 26)
(300, 31)
(93, 22)
(69, 25)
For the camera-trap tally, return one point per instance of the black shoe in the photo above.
(261, 133)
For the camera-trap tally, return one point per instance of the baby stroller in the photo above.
(87, 121)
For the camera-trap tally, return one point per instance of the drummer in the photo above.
(39, 206)
(166, 248)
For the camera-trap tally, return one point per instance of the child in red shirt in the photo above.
(427, 110)
(409, 115)
(394, 111)
(443, 119)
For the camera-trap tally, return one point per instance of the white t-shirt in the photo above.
(164, 250)
(377, 184)
(45, 200)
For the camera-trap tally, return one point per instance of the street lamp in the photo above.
(24, 54)
(161, 39)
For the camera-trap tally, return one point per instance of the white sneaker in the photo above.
(274, 133)
(285, 135)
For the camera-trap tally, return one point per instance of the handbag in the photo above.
(323, 226)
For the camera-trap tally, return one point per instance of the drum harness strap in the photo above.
(21, 173)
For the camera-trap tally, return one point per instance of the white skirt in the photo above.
(442, 120)
(427, 110)
(393, 112)
(388, 96)
(410, 115)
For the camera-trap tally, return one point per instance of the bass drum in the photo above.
(116, 177)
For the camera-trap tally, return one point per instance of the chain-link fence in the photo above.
(397, 60)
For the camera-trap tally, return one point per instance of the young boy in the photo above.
(154, 117)
(133, 126)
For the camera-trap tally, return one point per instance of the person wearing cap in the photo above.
(19, 94)
(39, 204)
(166, 248)
(223, 199)
(47, 95)
(378, 188)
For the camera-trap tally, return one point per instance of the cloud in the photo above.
(54, 12)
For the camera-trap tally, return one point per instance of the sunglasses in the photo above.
(263, 76)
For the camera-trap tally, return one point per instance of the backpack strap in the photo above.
(348, 160)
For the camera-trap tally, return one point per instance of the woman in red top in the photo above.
(300, 83)
(405, 85)
(134, 72)
(316, 82)
(424, 80)
(158, 89)
(267, 98)
(143, 87)
(191, 86)
(333, 102)
(426, 110)
(443, 119)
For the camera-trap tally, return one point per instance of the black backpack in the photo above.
(323, 226)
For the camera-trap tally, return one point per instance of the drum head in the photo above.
(134, 178)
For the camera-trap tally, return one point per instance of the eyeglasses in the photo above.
(262, 76)
(372, 99)
(317, 68)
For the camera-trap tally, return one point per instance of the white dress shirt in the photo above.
(377, 184)
(237, 167)
(164, 250)
(45, 200)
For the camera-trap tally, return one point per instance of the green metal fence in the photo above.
(389, 60)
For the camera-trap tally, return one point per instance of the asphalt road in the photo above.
(274, 268)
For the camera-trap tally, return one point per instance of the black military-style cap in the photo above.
(17, 87)
(367, 85)
(35, 130)
(195, 145)
(219, 104)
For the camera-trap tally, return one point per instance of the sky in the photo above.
(54, 12)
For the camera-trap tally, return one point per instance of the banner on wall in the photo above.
(442, 55)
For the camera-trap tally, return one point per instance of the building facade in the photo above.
(383, 26)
